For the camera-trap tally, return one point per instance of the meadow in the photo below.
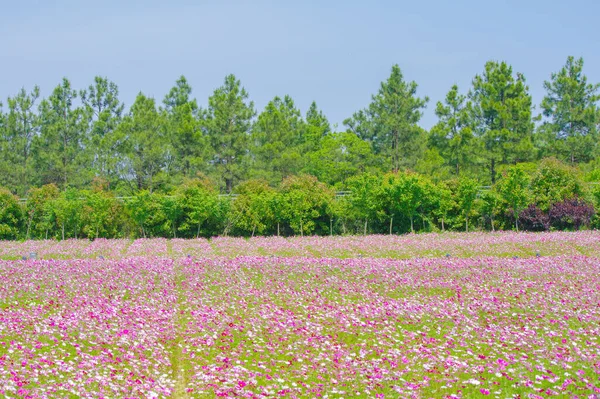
(500, 315)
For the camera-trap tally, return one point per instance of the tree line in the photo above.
(75, 141)
(528, 196)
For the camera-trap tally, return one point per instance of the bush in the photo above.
(554, 182)
(571, 214)
(533, 218)
(10, 215)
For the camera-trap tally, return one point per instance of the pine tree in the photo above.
(390, 121)
(570, 106)
(502, 114)
(227, 123)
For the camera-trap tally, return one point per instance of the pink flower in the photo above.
(484, 391)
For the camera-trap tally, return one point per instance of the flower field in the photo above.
(503, 315)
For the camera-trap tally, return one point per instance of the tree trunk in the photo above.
(228, 185)
(443, 225)
(395, 149)
(28, 228)
(253, 229)
(301, 229)
(63, 231)
(412, 227)
(493, 171)
(277, 229)
(517, 223)
(198, 231)
(466, 224)
(365, 232)
(391, 224)
(331, 226)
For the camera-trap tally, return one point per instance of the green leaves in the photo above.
(466, 194)
(554, 182)
(570, 106)
(254, 209)
(58, 150)
(184, 131)
(305, 203)
(453, 136)
(501, 110)
(513, 189)
(145, 142)
(390, 121)
(104, 112)
(20, 125)
(202, 208)
(277, 137)
(227, 124)
(10, 215)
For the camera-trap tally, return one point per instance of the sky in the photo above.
(333, 52)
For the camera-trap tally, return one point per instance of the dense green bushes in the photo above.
(549, 196)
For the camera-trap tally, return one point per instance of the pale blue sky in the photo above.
(333, 52)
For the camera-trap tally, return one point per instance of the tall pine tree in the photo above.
(228, 122)
(570, 107)
(390, 121)
(502, 114)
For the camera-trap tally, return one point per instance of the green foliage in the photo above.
(145, 209)
(10, 215)
(305, 203)
(66, 213)
(453, 136)
(443, 204)
(184, 130)
(364, 200)
(253, 210)
(501, 112)
(103, 214)
(172, 208)
(104, 113)
(58, 150)
(404, 195)
(316, 128)
(20, 126)
(554, 182)
(276, 137)
(513, 189)
(466, 194)
(203, 211)
(341, 156)
(104, 171)
(570, 106)
(145, 143)
(490, 205)
(227, 124)
(390, 121)
(37, 211)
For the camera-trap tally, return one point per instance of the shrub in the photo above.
(554, 182)
(533, 218)
(571, 214)
(10, 215)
